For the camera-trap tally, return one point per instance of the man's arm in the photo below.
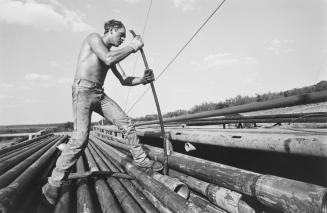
(129, 80)
(108, 57)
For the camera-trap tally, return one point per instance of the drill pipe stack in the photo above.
(214, 187)
(314, 97)
(19, 178)
(280, 193)
(297, 142)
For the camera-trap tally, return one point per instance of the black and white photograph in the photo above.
(176, 106)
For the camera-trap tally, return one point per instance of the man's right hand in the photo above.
(136, 43)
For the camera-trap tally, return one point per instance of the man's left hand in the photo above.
(148, 76)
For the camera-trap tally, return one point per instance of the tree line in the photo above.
(238, 100)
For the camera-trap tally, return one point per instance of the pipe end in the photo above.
(183, 191)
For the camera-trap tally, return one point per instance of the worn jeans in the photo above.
(89, 96)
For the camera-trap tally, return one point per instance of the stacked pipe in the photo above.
(309, 143)
(314, 117)
(172, 200)
(195, 203)
(22, 165)
(272, 191)
(308, 98)
(6, 150)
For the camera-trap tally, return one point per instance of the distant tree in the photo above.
(239, 100)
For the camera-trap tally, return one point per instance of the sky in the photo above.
(247, 48)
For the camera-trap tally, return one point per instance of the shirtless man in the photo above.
(94, 60)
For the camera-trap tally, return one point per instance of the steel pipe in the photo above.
(154, 201)
(126, 201)
(139, 198)
(9, 194)
(259, 120)
(11, 161)
(83, 196)
(7, 149)
(308, 98)
(289, 142)
(106, 199)
(222, 197)
(266, 116)
(172, 183)
(79, 175)
(293, 195)
(205, 204)
(14, 153)
(17, 170)
(161, 192)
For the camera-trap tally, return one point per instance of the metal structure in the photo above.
(105, 179)
(276, 192)
(30, 135)
(299, 142)
(308, 98)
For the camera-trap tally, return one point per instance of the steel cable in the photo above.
(137, 56)
(178, 53)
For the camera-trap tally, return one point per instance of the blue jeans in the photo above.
(89, 96)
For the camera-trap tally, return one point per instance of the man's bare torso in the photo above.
(89, 66)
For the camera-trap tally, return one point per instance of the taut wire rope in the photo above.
(179, 52)
(137, 56)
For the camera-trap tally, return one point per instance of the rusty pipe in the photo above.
(126, 201)
(9, 194)
(154, 201)
(246, 182)
(11, 161)
(139, 198)
(79, 175)
(260, 120)
(266, 116)
(24, 143)
(14, 153)
(205, 204)
(172, 183)
(220, 196)
(288, 142)
(83, 196)
(253, 184)
(106, 198)
(308, 98)
(173, 201)
(27, 203)
(17, 170)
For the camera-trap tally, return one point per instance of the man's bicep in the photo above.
(98, 47)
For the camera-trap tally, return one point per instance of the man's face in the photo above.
(118, 36)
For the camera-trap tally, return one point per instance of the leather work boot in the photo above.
(50, 193)
(150, 164)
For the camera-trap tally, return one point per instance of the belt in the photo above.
(87, 83)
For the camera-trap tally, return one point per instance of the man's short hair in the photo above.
(112, 24)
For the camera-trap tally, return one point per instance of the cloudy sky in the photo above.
(248, 47)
